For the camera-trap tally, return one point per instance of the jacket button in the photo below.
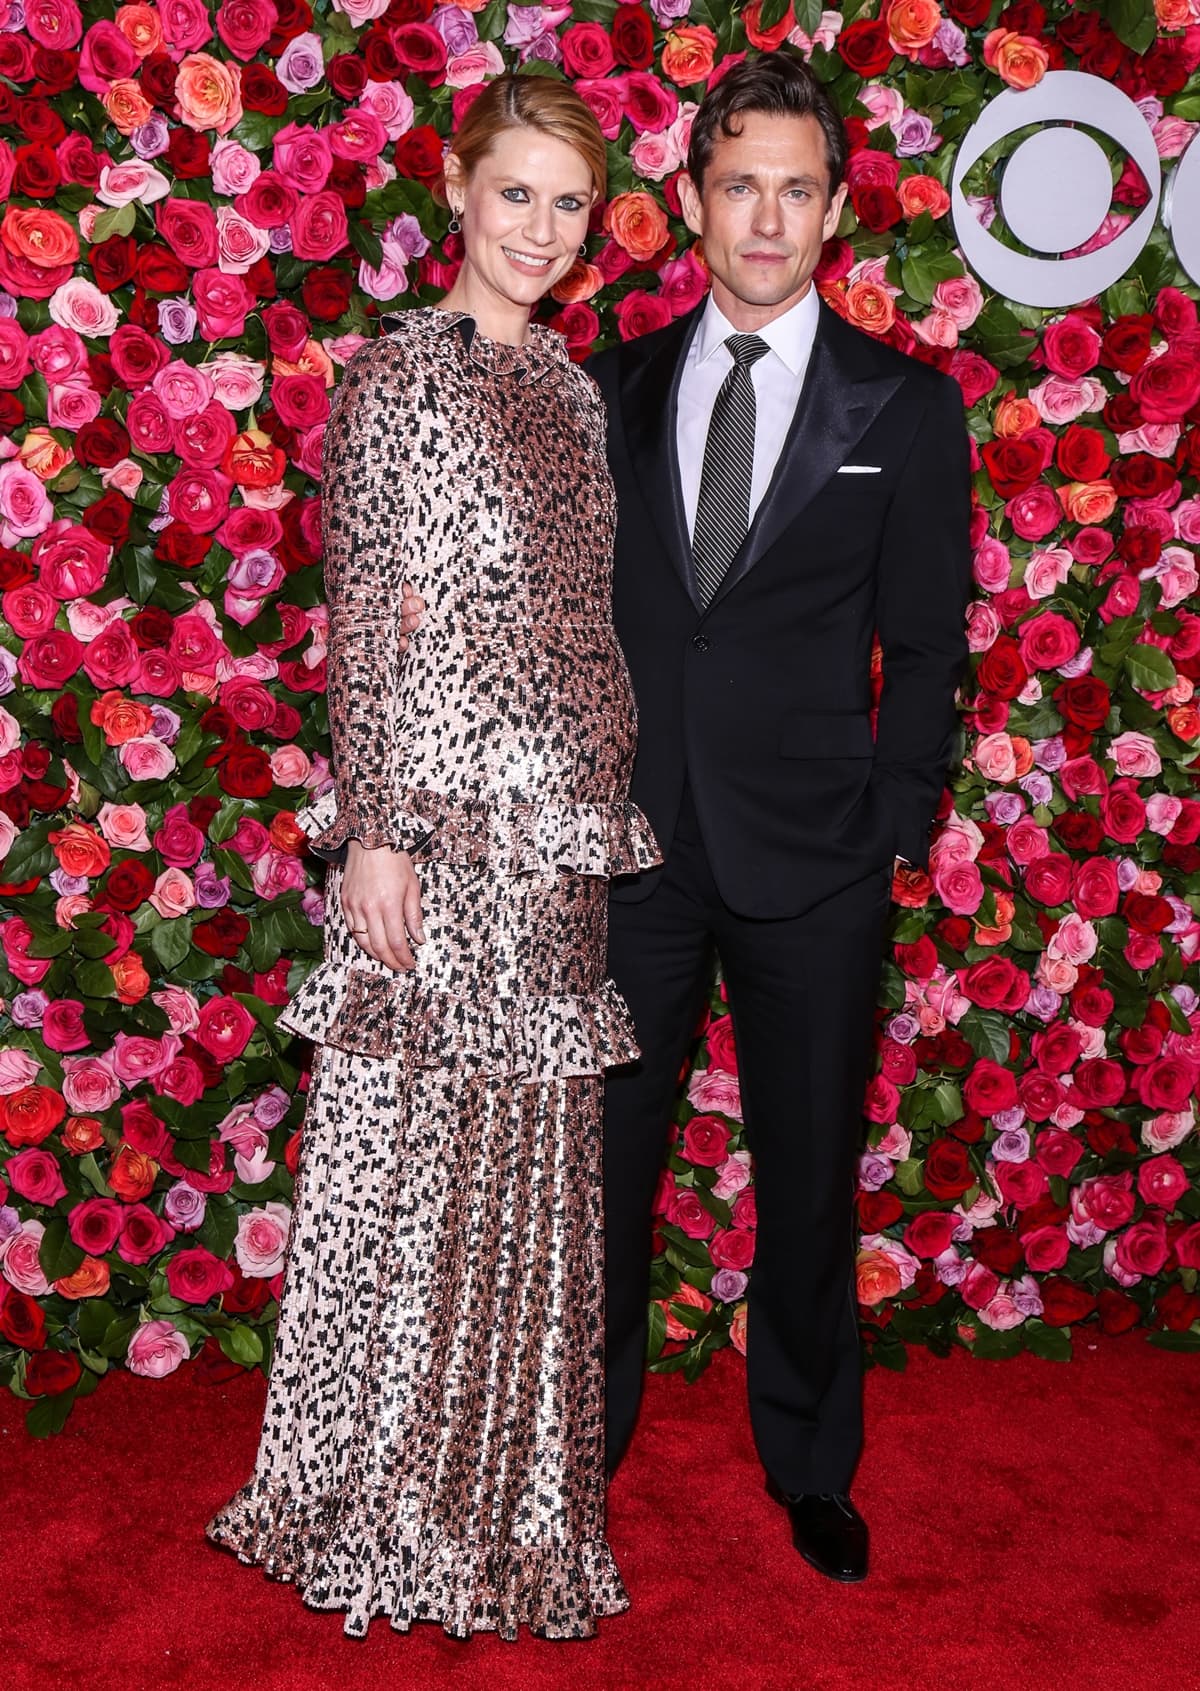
(701, 642)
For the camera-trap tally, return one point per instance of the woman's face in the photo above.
(524, 214)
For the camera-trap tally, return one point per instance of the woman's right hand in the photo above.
(381, 901)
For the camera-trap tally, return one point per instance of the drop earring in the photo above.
(455, 222)
(583, 249)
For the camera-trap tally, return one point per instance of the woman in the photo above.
(432, 1448)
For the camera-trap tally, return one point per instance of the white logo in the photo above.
(1056, 188)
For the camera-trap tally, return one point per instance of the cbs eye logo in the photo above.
(1056, 189)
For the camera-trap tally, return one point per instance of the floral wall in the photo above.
(204, 210)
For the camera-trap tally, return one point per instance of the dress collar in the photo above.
(544, 351)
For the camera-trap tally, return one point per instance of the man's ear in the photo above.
(833, 212)
(693, 206)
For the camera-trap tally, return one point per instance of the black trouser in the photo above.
(801, 991)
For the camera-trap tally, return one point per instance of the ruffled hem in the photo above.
(414, 1573)
(528, 1038)
(517, 839)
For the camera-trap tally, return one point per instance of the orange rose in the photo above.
(80, 851)
(1002, 931)
(39, 236)
(1088, 501)
(582, 281)
(912, 24)
(253, 460)
(81, 1135)
(737, 1329)
(1172, 15)
(313, 361)
(43, 456)
(127, 107)
(1184, 722)
(911, 887)
(132, 981)
(208, 92)
(284, 834)
(869, 307)
(922, 193)
(691, 1298)
(877, 1276)
(767, 39)
(132, 1174)
(637, 223)
(1016, 59)
(121, 718)
(90, 1280)
(141, 27)
(1015, 416)
(688, 54)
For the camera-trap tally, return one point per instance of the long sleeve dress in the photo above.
(433, 1440)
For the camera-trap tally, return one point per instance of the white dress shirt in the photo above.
(778, 378)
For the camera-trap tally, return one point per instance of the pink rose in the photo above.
(959, 886)
(19, 1259)
(155, 1350)
(1048, 640)
(71, 561)
(222, 303)
(261, 1242)
(25, 508)
(1035, 512)
(303, 158)
(138, 1057)
(318, 226)
(62, 1025)
(1135, 754)
(225, 1029)
(78, 304)
(112, 658)
(978, 1286)
(124, 826)
(995, 757)
(34, 1174)
(146, 758)
(89, 1085)
(716, 1090)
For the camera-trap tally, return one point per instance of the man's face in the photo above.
(763, 214)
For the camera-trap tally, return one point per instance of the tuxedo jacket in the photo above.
(762, 700)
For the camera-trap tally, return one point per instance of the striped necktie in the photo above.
(723, 508)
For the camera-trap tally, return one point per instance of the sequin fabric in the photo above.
(433, 1441)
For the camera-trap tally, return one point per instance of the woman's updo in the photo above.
(531, 102)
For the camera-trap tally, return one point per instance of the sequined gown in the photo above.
(433, 1440)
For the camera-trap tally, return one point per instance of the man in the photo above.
(787, 487)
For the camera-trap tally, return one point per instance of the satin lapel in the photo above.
(649, 392)
(839, 401)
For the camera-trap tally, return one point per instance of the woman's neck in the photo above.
(498, 318)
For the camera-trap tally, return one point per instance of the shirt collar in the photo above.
(789, 336)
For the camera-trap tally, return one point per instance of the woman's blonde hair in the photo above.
(531, 102)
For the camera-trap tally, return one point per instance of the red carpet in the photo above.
(1036, 1526)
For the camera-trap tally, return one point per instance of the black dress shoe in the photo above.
(828, 1531)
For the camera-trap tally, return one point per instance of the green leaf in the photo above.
(1051, 1343)
(1176, 1341)
(1149, 668)
(58, 1253)
(257, 130)
(90, 1170)
(365, 242)
(908, 1177)
(1133, 23)
(241, 1344)
(95, 1315)
(986, 1032)
(1000, 337)
(171, 941)
(95, 979)
(657, 1334)
(49, 1415)
(807, 14)
(921, 272)
(773, 12)
(115, 220)
(29, 854)
(998, 1347)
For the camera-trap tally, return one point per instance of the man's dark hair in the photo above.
(779, 85)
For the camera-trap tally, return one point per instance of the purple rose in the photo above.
(456, 27)
(301, 66)
(184, 1207)
(177, 321)
(728, 1285)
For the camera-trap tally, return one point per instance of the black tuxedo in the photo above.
(780, 814)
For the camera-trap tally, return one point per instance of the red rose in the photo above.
(995, 983)
(1064, 1302)
(247, 1295)
(347, 75)
(326, 293)
(95, 1225)
(108, 518)
(865, 47)
(49, 660)
(127, 886)
(1176, 1309)
(102, 442)
(1098, 1083)
(633, 37)
(1147, 912)
(245, 773)
(1141, 477)
(706, 1141)
(30, 1115)
(419, 153)
(1048, 640)
(947, 1172)
(1083, 700)
(732, 1247)
(158, 270)
(262, 91)
(1166, 1084)
(898, 1062)
(22, 1321)
(1081, 454)
(1096, 891)
(929, 1234)
(1013, 464)
(877, 1210)
(1126, 343)
(997, 1248)
(1048, 879)
(1002, 671)
(918, 960)
(50, 1372)
(418, 47)
(195, 1275)
(989, 1088)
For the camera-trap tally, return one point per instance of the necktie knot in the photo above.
(746, 350)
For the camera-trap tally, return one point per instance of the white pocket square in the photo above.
(859, 469)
